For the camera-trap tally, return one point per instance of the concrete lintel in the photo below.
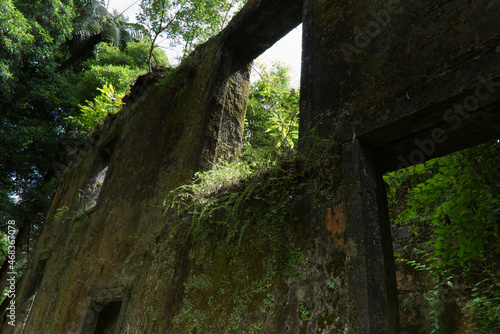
(421, 124)
(441, 139)
(260, 24)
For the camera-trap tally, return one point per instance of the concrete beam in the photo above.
(372, 289)
(421, 124)
(260, 24)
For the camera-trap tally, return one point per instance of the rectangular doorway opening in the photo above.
(272, 116)
(104, 317)
(445, 216)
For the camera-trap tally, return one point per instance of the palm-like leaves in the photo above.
(95, 19)
(273, 108)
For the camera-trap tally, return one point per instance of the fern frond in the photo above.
(86, 26)
(137, 30)
(113, 34)
(96, 19)
(96, 9)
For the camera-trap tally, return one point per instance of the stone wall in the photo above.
(388, 71)
(393, 83)
(302, 249)
(112, 192)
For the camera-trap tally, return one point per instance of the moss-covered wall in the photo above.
(381, 79)
(107, 237)
(389, 81)
(155, 144)
(302, 248)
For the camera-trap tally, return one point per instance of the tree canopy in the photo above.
(185, 22)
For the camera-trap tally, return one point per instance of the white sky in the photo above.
(287, 50)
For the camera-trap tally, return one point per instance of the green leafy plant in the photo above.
(60, 212)
(93, 113)
(449, 205)
(304, 313)
(272, 115)
(484, 308)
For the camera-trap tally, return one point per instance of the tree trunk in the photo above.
(151, 49)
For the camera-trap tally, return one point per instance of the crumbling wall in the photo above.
(305, 249)
(111, 195)
(99, 244)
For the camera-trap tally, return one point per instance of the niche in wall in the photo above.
(104, 316)
(89, 194)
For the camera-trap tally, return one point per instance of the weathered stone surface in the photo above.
(370, 263)
(387, 76)
(388, 71)
(167, 132)
(309, 255)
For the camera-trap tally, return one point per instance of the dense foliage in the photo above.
(273, 109)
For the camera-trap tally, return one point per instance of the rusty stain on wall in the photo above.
(335, 223)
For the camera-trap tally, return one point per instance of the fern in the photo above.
(95, 19)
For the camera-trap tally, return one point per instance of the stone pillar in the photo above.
(372, 290)
(329, 89)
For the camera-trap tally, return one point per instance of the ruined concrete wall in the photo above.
(106, 237)
(397, 67)
(304, 249)
(380, 79)
(111, 196)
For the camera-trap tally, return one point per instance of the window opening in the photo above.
(272, 118)
(287, 51)
(34, 284)
(89, 195)
(108, 317)
(37, 278)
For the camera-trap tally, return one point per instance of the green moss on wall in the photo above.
(231, 255)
